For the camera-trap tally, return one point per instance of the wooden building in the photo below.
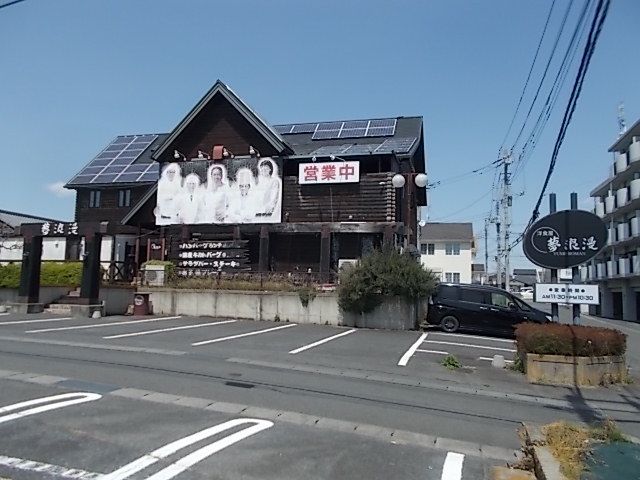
(319, 223)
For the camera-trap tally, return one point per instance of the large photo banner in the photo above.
(244, 190)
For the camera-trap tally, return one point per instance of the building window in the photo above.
(423, 248)
(124, 198)
(448, 277)
(456, 277)
(431, 248)
(452, 249)
(94, 199)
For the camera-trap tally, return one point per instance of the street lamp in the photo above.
(410, 180)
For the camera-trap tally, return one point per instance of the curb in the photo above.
(546, 467)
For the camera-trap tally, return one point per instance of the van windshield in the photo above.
(521, 304)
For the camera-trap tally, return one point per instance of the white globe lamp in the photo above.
(421, 180)
(398, 181)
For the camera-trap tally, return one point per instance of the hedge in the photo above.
(52, 274)
(569, 340)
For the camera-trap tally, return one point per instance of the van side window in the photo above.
(448, 292)
(500, 300)
(471, 295)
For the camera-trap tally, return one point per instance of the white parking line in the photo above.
(471, 345)
(439, 352)
(452, 468)
(185, 327)
(248, 334)
(55, 471)
(97, 325)
(3, 314)
(459, 335)
(189, 460)
(76, 398)
(412, 349)
(489, 359)
(320, 342)
(18, 322)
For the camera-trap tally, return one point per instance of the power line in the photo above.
(544, 74)
(526, 83)
(11, 3)
(594, 32)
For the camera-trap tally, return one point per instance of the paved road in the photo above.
(325, 402)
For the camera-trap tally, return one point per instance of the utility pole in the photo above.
(486, 248)
(507, 200)
(499, 252)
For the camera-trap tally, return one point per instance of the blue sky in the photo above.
(77, 73)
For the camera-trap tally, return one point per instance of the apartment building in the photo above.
(448, 249)
(617, 201)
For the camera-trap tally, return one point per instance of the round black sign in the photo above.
(565, 239)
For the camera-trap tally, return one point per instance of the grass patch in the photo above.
(571, 443)
(451, 362)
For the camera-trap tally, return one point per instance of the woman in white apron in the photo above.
(268, 190)
(217, 195)
(169, 193)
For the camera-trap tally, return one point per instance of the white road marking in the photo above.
(439, 352)
(489, 359)
(3, 314)
(48, 469)
(75, 398)
(471, 345)
(248, 334)
(452, 468)
(193, 458)
(412, 349)
(18, 322)
(97, 325)
(159, 330)
(320, 342)
(459, 335)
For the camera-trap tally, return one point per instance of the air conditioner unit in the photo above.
(347, 263)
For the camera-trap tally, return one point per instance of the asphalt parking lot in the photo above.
(325, 402)
(108, 436)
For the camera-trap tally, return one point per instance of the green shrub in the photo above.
(52, 274)
(10, 275)
(383, 273)
(307, 294)
(572, 340)
(451, 362)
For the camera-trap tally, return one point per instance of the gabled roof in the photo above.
(447, 231)
(14, 219)
(219, 88)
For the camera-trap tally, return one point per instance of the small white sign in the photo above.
(567, 293)
(328, 172)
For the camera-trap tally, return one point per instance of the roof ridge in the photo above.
(348, 120)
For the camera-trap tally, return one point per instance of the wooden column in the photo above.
(263, 262)
(387, 237)
(90, 285)
(325, 249)
(29, 291)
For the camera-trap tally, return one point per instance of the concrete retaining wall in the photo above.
(562, 370)
(394, 314)
(47, 294)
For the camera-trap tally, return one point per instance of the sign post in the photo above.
(554, 272)
(575, 270)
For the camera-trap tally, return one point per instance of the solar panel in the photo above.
(304, 128)
(330, 150)
(352, 132)
(283, 129)
(356, 124)
(398, 145)
(325, 134)
(115, 160)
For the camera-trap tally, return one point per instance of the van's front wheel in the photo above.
(449, 324)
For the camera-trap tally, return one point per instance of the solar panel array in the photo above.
(383, 127)
(397, 145)
(115, 164)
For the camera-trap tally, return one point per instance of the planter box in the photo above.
(393, 314)
(565, 370)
